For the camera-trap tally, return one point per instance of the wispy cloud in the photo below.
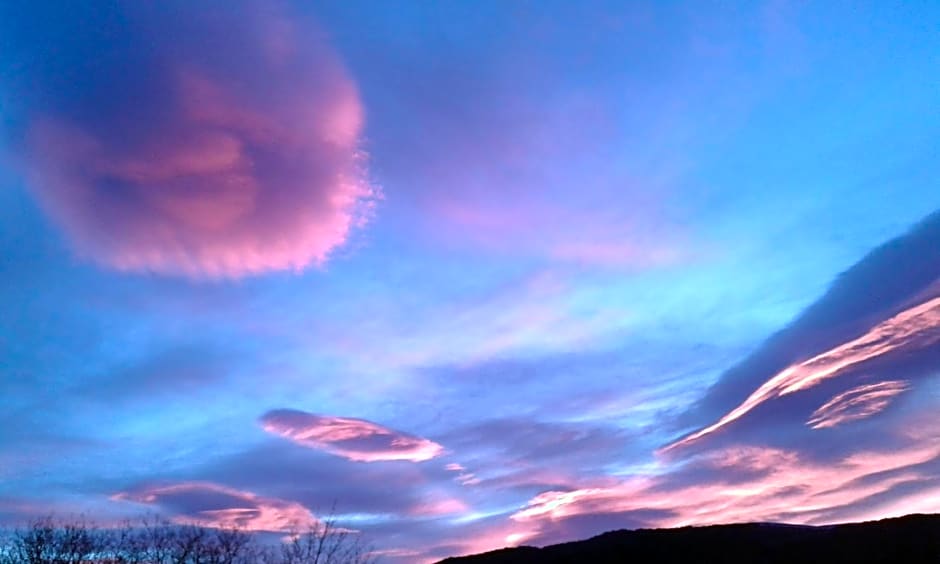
(750, 484)
(917, 327)
(355, 439)
(857, 403)
(212, 505)
(464, 477)
(870, 314)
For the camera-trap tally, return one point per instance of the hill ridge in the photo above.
(912, 538)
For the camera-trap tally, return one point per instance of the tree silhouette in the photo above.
(155, 541)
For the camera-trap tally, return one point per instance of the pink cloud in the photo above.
(502, 169)
(230, 148)
(211, 505)
(585, 236)
(756, 484)
(858, 403)
(916, 327)
(439, 506)
(355, 439)
(498, 537)
(474, 538)
(464, 477)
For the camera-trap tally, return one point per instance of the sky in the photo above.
(469, 274)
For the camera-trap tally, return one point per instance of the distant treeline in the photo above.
(155, 541)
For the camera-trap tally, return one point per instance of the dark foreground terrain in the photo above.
(914, 538)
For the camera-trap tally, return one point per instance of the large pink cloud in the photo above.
(217, 141)
(355, 439)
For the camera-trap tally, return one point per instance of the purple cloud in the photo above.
(917, 327)
(319, 480)
(212, 505)
(356, 439)
(871, 324)
(215, 141)
(519, 455)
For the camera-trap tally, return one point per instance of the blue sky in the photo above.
(477, 273)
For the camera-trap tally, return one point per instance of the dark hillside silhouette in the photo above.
(914, 538)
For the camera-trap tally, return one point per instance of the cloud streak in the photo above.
(858, 403)
(212, 505)
(355, 439)
(914, 328)
(890, 279)
(215, 141)
(753, 484)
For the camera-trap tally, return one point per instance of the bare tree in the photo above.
(79, 542)
(230, 546)
(162, 542)
(156, 541)
(35, 543)
(324, 543)
(44, 541)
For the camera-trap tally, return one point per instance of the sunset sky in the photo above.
(474, 273)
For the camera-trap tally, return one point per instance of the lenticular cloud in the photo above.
(355, 439)
(212, 505)
(217, 141)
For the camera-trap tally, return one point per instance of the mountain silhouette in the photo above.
(913, 538)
